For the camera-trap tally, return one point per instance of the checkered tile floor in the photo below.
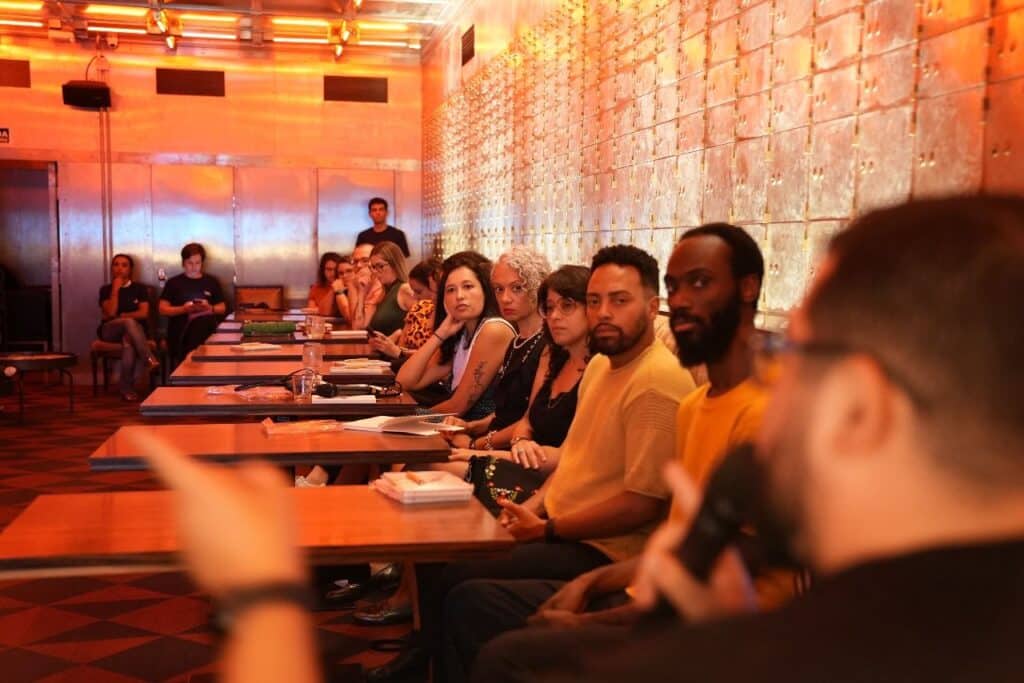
(118, 629)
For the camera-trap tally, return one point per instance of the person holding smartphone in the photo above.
(191, 301)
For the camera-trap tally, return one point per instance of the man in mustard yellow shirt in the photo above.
(713, 282)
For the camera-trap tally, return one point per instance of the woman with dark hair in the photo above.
(329, 295)
(515, 279)
(469, 339)
(191, 301)
(124, 306)
(419, 320)
(517, 472)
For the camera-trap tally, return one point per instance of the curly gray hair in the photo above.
(531, 265)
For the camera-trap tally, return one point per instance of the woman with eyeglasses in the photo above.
(419, 320)
(515, 280)
(387, 264)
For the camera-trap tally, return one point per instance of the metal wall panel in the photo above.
(837, 41)
(194, 204)
(718, 183)
(792, 16)
(82, 267)
(275, 227)
(754, 70)
(791, 105)
(785, 266)
(947, 154)
(888, 24)
(1006, 56)
(953, 61)
(888, 79)
(132, 220)
(750, 173)
(885, 153)
(342, 196)
(753, 115)
(755, 29)
(830, 194)
(787, 178)
(939, 16)
(835, 93)
(1004, 138)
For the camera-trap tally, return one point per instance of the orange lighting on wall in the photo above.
(116, 11)
(212, 18)
(21, 22)
(307, 41)
(382, 26)
(209, 35)
(384, 43)
(117, 29)
(16, 6)
(299, 21)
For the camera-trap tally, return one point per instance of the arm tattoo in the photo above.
(478, 382)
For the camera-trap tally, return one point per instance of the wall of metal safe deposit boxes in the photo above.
(631, 120)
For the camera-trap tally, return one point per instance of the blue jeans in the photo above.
(134, 349)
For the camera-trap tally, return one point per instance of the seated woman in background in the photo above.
(419, 320)
(191, 301)
(124, 307)
(468, 342)
(515, 279)
(329, 295)
(388, 265)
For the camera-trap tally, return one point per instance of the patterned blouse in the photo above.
(419, 324)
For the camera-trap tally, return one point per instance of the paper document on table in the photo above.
(348, 334)
(417, 425)
(271, 428)
(353, 398)
(360, 366)
(255, 346)
(423, 487)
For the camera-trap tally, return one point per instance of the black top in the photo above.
(953, 614)
(180, 289)
(128, 298)
(514, 380)
(388, 234)
(550, 419)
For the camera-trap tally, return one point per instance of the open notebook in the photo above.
(417, 425)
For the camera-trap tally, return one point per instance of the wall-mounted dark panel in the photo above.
(468, 44)
(15, 73)
(355, 89)
(189, 82)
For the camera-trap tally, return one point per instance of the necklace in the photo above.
(532, 340)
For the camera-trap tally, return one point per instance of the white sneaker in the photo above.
(302, 483)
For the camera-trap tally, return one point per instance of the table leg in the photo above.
(71, 389)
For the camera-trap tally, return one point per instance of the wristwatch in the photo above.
(232, 605)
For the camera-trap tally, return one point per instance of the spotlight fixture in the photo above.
(338, 49)
(345, 32)
(171, 41)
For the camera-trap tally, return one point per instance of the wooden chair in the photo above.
(259, 296)
(104, 354)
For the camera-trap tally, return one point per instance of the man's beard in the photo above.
(615, 345)
(707, 342)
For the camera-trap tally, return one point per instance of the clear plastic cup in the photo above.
(312, 355)
(302, 386)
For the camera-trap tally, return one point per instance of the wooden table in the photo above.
(198, 402)
(227, 337)
(102, 533)
(191, 373)
(247, 441)
(29, 361)
(220, 353)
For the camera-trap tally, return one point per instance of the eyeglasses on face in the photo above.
(769, 349)
(563, 307)
(378, 267)
(517, 289)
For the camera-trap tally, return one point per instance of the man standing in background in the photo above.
(381, 231)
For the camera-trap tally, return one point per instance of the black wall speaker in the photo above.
(86, 94)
